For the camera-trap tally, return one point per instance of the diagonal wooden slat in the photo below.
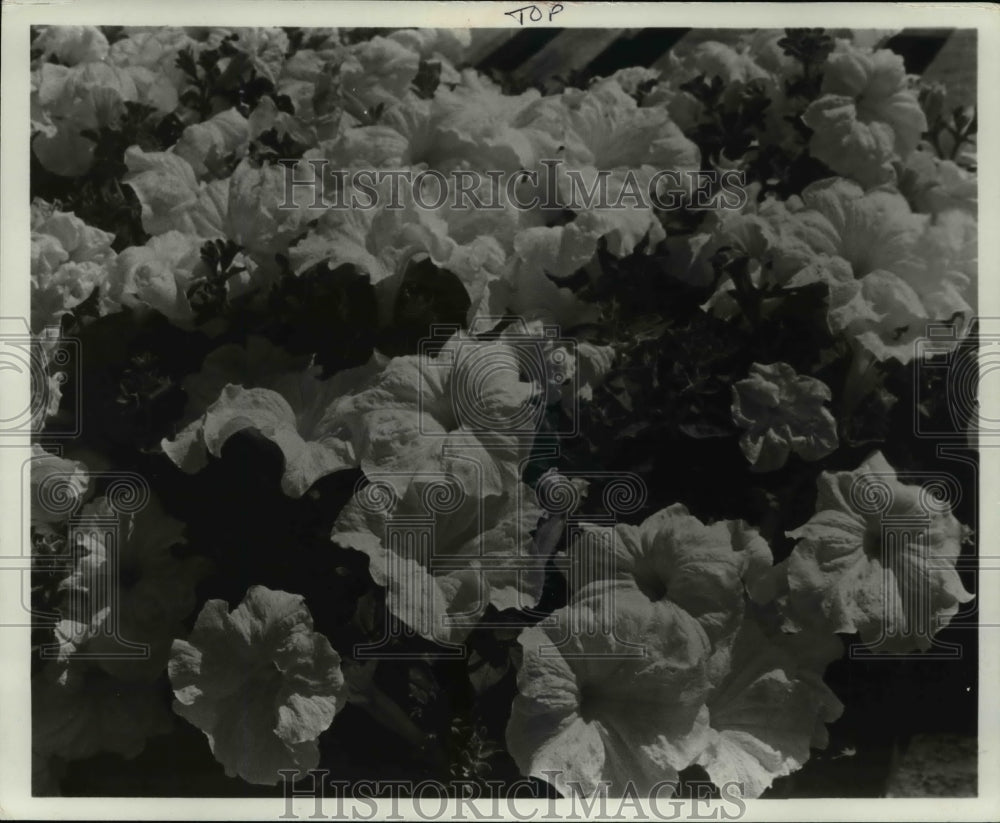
(513, 52)
(638, 48)
(486, 41)
(918, 47)
(544, 57)
(568, 53)
(955, 66)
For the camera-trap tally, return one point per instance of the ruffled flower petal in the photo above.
(207, 144)
(672, 557)
(311, 447)
(843, 576)
(782, 412)
(439, 551)
(867, 116)
(769, 709)
(259, 682)
(69, 260)
(596, 706)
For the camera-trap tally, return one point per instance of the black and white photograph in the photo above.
(527, 414)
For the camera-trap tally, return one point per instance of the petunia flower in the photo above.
(782, 412)
(873, 230)
(254, 218)
(380, 146)
(614, 708)
(933, 185)
(677, 561)
(262, 48)
(167, 189)
(259, 682)
(753, 66)
(159, 274)
(154, 48)
(769, 707)
(850, 573)
(442, 593)
(762, 46)
(208, 144)
(297, 415)
(69, 259)
(472, 124)
(734, 65)
(867, 116)
(71, 44)
(67, 101)
(465, 412)
(601, 130)
(376, 71)
(472, 244)
(907, 269)
(528, 283)
(944, 268)
(307, 80)
(769, 234)
(448, 46)
(244, 207)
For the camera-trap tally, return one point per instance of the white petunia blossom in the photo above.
(678, 562)
(259, 682)
(69, 100)
(208, 144)
(867, 116)
(298, 413)
(769, 708)
(782, 412)
(600, 709)
(72, 44)
(69, 260)
(441, 594)
(846, 574)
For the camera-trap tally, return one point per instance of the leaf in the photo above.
(428, 79)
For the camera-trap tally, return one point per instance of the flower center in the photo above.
(650, 582)
(872, 542)
(590, 702)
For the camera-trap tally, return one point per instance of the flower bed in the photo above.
(640, 491)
